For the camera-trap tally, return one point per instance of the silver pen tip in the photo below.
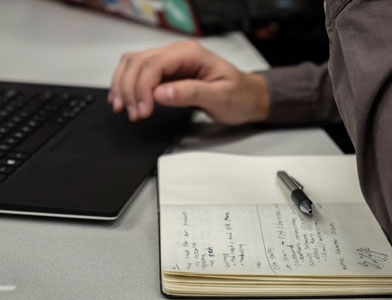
(305, 210)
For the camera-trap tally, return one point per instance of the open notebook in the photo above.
(228, 229)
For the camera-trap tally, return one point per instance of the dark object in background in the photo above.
(225, 15)
(287, 32)
(298, 33)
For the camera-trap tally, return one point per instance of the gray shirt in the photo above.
(360, 69)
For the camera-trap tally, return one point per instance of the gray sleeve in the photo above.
(361, 71)
(301, 95)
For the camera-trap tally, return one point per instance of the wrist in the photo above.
(260, 98)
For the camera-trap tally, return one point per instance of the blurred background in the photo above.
(287, 32)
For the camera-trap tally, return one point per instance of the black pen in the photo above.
(296, 193)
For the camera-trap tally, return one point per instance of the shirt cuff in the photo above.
(300, 95)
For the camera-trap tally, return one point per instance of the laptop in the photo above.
(64, 153)
(204, 17)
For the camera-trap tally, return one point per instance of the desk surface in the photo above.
(42, 258)
(69, 259)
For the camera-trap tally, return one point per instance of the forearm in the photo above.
(361, 67)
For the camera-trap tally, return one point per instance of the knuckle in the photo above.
(127, 60)
(193, 44)
(148, 63)
(126, 56)
(196, 47)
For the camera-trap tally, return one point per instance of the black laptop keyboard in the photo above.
(28, 119)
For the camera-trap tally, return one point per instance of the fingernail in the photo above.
(132, 113)
(170, 93)
(117, 102)
(165, 93)
(141, 106)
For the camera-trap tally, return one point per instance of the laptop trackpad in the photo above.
(92, 141)
(100, 140)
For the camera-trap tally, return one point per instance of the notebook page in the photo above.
(211, 178)
(273, 239)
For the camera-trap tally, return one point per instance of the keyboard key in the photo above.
(18, 135)
(33, 123)
(4, 113)
(23, 114)
(10, 124)
(65, 96)
(11, 93)
(16, 119)
(18, 155)
(89, 98)
(26, 129)
(60, 120)
(6, 170)
(11, 141)
(10, 162)
(58, 102)
(4, 130)
(73, 103)
(5, 147)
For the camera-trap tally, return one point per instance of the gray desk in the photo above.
(42, 258)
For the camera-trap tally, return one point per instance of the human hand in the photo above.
(186, 74)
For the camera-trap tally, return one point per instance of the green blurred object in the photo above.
(179, 15)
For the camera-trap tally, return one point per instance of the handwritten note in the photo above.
(273, 239)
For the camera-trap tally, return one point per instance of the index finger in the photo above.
(114, 97)
(179, 60)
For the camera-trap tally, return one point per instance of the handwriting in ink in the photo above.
(185, 219)
(371, 259)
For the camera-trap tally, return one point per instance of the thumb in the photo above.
(185, 93)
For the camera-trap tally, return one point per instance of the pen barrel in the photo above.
(287, 181)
